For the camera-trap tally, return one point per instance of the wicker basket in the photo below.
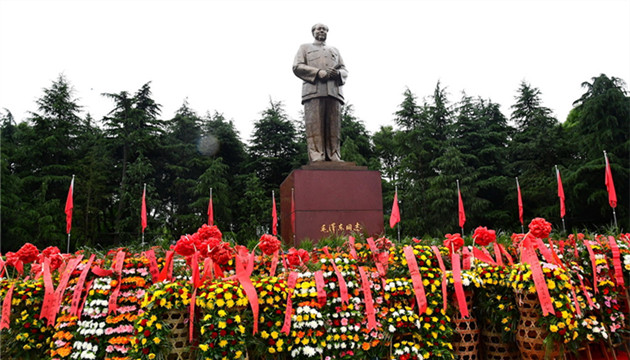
(530, 336)
(467, 333)
(493, 346)
(178, 321)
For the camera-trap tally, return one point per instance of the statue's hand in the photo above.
(323, 74)
(333, 73)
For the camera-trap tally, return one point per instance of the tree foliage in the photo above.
(432, 144)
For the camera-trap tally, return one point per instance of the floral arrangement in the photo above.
(151, 338)
(562, 324)
(406, 350)
(29, 337)
(222, 332)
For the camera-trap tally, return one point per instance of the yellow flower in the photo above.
(223, 343)
(553, 328)
(203, 347)
(151, 356)
(222, 324)
(157, 340)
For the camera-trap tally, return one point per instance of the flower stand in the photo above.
(178, 321)
(494, 347)
(529, 335)
(467, 333)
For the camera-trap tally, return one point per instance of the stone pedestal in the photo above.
(330, 198)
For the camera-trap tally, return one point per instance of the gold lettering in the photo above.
(323, 229)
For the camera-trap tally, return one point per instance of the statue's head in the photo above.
(319, 31)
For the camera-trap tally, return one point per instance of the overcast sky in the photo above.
(233, 56)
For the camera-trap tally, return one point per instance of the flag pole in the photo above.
(398, 224)
(564, 228)
(607, 169)
(72, 190)
(519, 189)
(458, 197)
(144, 192)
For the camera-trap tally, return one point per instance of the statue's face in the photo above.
(320, 32)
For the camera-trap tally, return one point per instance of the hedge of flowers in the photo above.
(362, 298)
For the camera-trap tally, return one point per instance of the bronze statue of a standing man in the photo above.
(324, 73)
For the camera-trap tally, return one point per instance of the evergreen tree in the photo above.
(133, 130)
(534, 152)
(600, 121)
(355, 139)
(274, 147)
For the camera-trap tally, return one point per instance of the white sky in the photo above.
(233, 56)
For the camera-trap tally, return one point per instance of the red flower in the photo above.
(147, 333)
(483, 236)
(185, 246)
(54, 254)
(517, 239)
(383, 244)
(12, 259)
(28, 253)
(297, 257)
(206, 232)
(222, 253)
(453, 242)
(540, 228)
(269, 244)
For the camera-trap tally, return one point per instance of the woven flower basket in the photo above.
(530, 336)
(493, 346)
(467, 333)
(178, 321)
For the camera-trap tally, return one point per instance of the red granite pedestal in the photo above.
(331, 198)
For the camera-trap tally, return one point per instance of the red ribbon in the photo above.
(319, 284)
(529, 257)
(76, 297)
(153, 266)
(576, 303)
(588, 297)
(459, 287)
(61, 288)
(379, 259)
(6, 308)
(507, 254)
(207, 270)
(117, 266)
(243, 274)
(1, 266)
(167, 270)
(466, 257)
(49, 291)
(96, 270)
(286, 327)
(483, 256)
(544, 250)
(88, 286)
(194, 264)
(416, 279)
(274, 263)
(443, 268)
(353, 251)
(343, 288)
(591, 254)
(616, 261)
(497, 254)
(191, 315)
(367, 299)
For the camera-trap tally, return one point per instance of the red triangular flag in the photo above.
(210, 211)
(143, 211)
(610, 185)
(69, 207)
(462, 213)
(395, 217)
(560, 194)
(520, 202)
(274, 216)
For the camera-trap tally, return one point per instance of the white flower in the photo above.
(391, 328)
